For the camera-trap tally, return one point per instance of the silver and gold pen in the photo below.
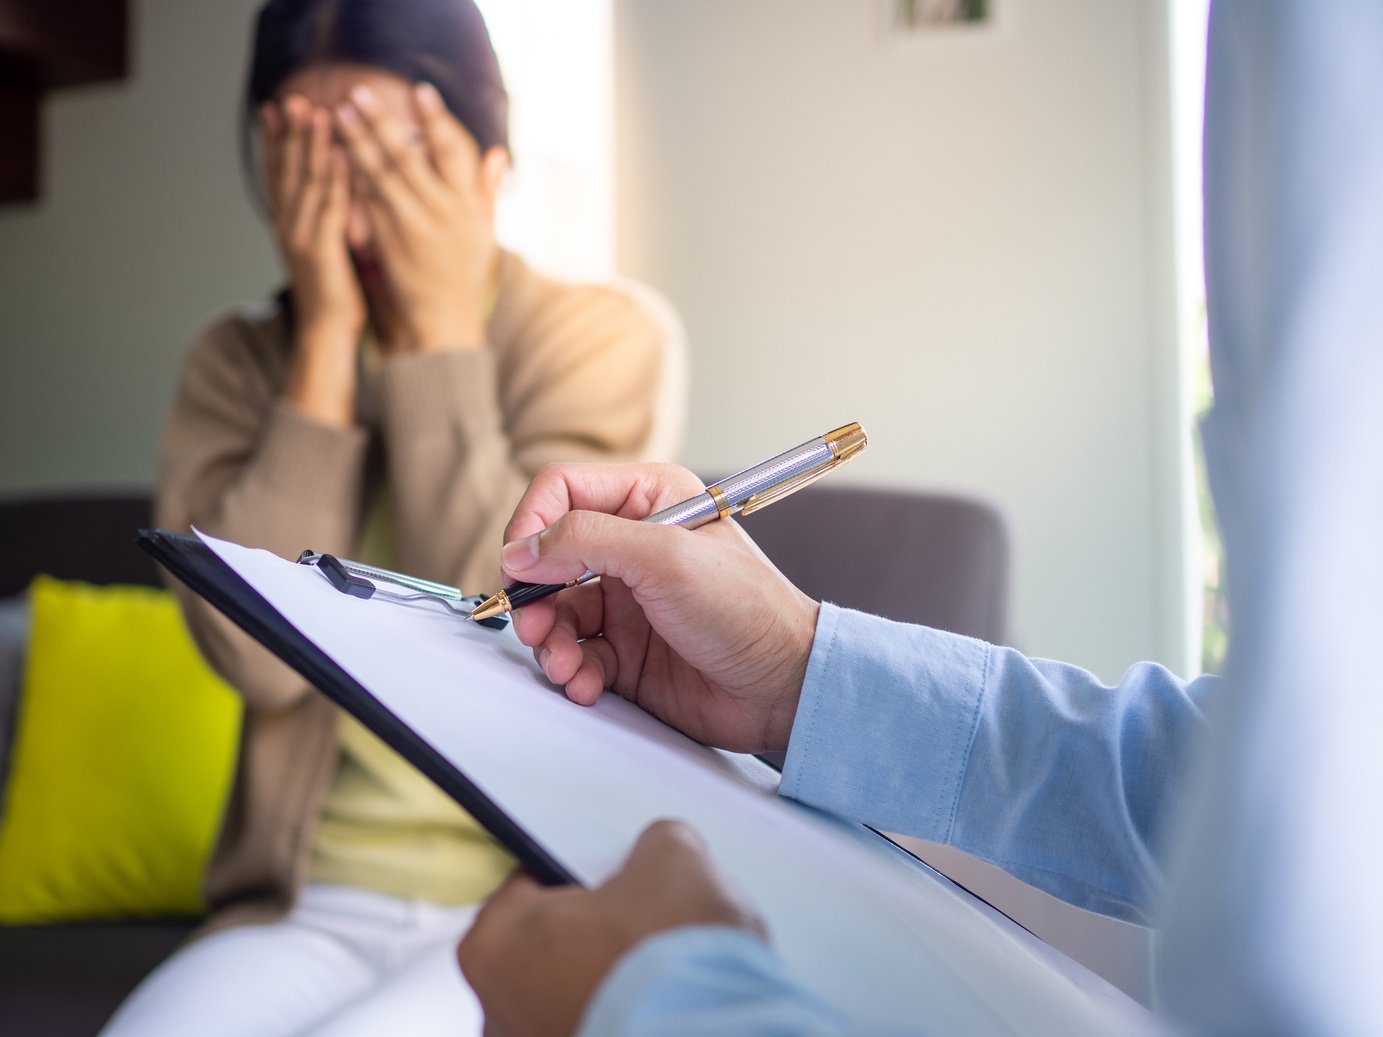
(741, 494)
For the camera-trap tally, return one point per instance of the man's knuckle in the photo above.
(579, 526)
(551, 472)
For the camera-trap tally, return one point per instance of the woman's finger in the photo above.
(334, 210)
(402, 148)
(364, 160)
(383, 177)
(271, 138)
(306, 209)
(318, 146)
(388, 226)
(297, 119)
(454, 151)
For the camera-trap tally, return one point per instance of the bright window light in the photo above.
(557, 209)
(1206, 612)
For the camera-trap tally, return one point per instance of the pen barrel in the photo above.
(689, 514)
(729, 495)
(521, 594)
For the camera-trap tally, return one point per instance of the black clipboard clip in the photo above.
(363, 581)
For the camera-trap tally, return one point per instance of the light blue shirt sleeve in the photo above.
(704, 980)
(1032, 765)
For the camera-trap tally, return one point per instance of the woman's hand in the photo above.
(535, 956)
(694, 626)
(430, 203)
(309, 195)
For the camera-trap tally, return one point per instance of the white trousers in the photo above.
(344, 963)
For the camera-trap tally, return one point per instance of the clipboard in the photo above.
(196, 565)
(858, 919)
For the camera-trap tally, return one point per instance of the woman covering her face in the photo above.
(389, 405)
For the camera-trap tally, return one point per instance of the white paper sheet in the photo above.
(859, 920)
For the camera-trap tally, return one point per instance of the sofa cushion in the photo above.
(120, 762)
(14, 633)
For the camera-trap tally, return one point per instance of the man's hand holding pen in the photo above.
(743, 493)
(698, 628)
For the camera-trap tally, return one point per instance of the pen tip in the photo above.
(495, 605)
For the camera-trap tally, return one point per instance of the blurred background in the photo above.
(978, 238)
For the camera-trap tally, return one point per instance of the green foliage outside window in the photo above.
(1215, 608)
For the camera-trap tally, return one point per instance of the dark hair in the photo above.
(444, 42)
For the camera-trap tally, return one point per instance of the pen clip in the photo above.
(845, 442)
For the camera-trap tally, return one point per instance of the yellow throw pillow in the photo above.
(122, 758)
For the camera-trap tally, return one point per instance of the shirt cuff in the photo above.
(885, 723)
(704, 980)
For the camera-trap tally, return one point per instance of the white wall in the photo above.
(950, 240)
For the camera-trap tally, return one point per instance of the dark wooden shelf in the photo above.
(46, 45)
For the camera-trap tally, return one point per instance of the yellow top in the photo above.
(384, 826)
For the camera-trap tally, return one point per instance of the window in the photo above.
(558, 206)
(1189, 20)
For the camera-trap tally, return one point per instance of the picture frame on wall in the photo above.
(926, 15)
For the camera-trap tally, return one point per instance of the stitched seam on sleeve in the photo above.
(969, 744)
(826, 667)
